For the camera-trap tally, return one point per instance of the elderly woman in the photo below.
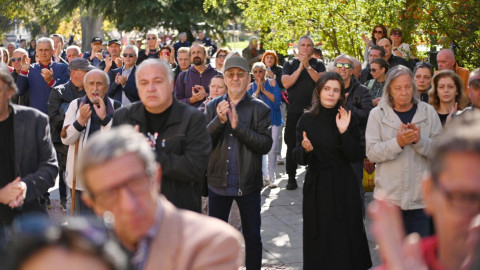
(399, 138)
(447, 95)
(268, 91)
(328, 141)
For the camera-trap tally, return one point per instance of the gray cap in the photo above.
(80, 64)
(236, 62)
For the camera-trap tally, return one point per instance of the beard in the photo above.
(197, 61)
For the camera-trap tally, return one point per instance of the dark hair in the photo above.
(460, 97)
(59, 36)
(87, 236)
(317, 50)
(461, 134)
(381, 62)
(420, 65)
(314, 109)
(384, 29)
(378, 48)
(165, 48)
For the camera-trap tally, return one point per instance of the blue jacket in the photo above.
(130, 89)
(275, 113)
(39, 89)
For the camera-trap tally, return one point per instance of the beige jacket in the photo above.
(190, 241)
(399, 171)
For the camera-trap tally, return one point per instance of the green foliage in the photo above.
(338, 24)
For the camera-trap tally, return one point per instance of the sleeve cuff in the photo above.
(23, 72)
(78, 127)
(106, 120)
(52, 83)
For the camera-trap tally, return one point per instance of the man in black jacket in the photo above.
(359, 101)
(176, 132)
(58, 102)
(239, 126)
(28, 166)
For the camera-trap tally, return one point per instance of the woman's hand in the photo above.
(343, 119)
(306, 144)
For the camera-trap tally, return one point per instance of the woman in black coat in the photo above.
(328, 140)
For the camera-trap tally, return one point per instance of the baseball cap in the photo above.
(80, 64)
(96, 39)
(236, 62)
(114, 41)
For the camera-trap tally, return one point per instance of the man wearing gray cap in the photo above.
(58, 102)
(239, 126)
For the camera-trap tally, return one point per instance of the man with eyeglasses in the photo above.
(392, 59)
(113, 58)
(176, 132)
(299, 76)
(240, 130)
(122, 181)
(192, 85)
(151, 48)
(359, 101)
(123, 87)
(451, 193)
(16, 62)
(375, 52)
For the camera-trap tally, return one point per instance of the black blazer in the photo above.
(130, 89)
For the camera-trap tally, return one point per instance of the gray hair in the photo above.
(99, 71)
(182, 34)
(306, 37)
(131, 47)
(46, 40)
(20, 50)
(102, 147)
(7, 78)
(473, 74)
(74, 47)
(392, 74)
(158, 63)
(344, 56)
(152, 34)
(461, 134)
(259, 65)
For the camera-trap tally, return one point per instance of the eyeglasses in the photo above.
(258, 71)
(345, 65)
(221, 56)
(148, 38)
(16, 59)
(397, 34)
(165, 53)
(129, 55)
(465, 202)
(231, 75)
(136, 185)
(377, 32)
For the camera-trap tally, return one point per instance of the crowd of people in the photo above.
(139, 135)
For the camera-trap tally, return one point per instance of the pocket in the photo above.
(173, 145)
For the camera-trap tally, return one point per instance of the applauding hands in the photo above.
(343, 119)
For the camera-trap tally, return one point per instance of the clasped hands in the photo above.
(14, 193)
(408, 134)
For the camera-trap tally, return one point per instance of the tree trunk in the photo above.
(92, 26)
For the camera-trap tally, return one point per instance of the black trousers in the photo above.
(290, 141)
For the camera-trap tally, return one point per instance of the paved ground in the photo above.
(281, 223)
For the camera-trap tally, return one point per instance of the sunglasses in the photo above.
(16, 59)
(165, 53)
(345, 65)
(377, 32)
(397, 34)
(222, 56)
(129, 55)
(374, 70)
(148, 38)
(258, 71)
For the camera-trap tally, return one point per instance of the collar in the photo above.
(138, 114)
(47, 66)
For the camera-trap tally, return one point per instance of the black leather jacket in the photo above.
(253, 133)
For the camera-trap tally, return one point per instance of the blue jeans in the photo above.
(249, 205)
(416, 221)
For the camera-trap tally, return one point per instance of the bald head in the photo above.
(446, 60)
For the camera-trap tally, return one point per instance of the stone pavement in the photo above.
(281, 223)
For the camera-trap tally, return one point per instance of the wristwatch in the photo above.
(309, 67)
